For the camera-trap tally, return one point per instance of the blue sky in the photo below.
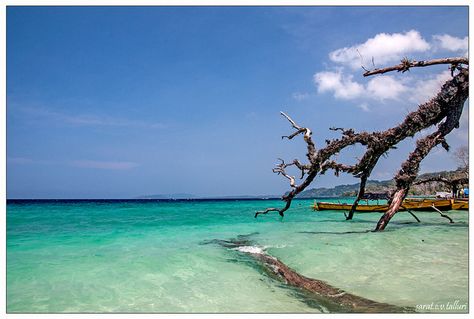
(117, 102)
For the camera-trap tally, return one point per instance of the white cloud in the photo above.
(298, 96)
(88, 119)
(364, 107)
(344, 87)
(113, 165)
(341, 85)
(385, 87)
(19, 160)
(381, 87)
(383, 48)
(104, 165)
(450, 43)
(386, 49)
(27, 160)
(424, 90)
(251, 115)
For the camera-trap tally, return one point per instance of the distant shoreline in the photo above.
(131, 200)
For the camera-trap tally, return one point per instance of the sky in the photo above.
(119, 102)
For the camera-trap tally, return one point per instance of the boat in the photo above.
(360, 208)
(426, 204)
(408, 204)
(456, 203)
(460, 204)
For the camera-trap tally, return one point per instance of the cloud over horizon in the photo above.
(87, 119)
(341, 85)
(385, 48)
(382, 48)
(112, 165)
(450, 43)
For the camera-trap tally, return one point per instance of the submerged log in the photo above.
(332, 297)
(329, 297)
(414, 216)
(443, 215)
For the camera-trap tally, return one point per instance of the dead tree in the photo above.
(450, 102)
(331, 298)
(462, 157)
(447, 105)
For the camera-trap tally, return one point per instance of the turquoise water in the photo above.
(153, 257)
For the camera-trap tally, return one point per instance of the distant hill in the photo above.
(379, 186)
(347, 189)
(191, 196)
(243, 197)
(338, 191)
(167, 196)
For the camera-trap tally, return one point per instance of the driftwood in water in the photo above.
(360, 195)
(323, 291)
(331, 298)
(447, 105)
(443, 215)
(414, 216)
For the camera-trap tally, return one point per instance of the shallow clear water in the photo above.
(155, 257)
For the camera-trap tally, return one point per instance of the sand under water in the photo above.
(158, 256)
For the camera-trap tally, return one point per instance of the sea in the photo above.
(163, 256)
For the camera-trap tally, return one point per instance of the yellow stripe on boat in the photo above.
(408, 204)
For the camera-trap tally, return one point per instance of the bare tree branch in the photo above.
(451, 99)
(406, 64)
(414, 216)
(462, 157)
(446, 105)
(363, 181)
(443, 215)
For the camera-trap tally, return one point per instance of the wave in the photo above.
(250, 249)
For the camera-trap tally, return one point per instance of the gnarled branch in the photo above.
(451, 100)
(446, 105)
(406, 64)
(442, 215)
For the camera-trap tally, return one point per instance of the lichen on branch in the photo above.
(443, 110)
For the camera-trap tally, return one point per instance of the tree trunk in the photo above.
(397, 200)
(363, 181)
(331, 298)
(452, 96)
(443, 110)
